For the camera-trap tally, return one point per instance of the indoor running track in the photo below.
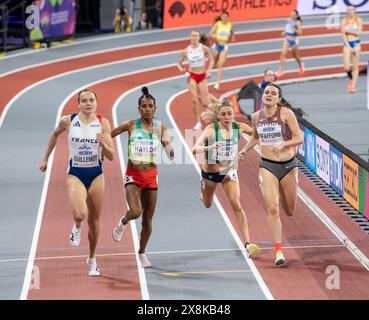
(195, 251)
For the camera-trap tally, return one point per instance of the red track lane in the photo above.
(304, 277)
(14, 83)
(66, 278)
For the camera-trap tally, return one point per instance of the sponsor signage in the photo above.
(310, 7)
(322, 159)
(351, 181)
(336, 170)
(186, 13)
(57, 18)
(310, 149)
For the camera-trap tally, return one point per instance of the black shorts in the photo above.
(279, 169)
(218, 177)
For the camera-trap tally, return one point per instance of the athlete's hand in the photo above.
(181, 69)
(233, 38)
(43, 166)
(217, 145)
(278, 147)
(241, 155)
(100, 139)
(283, 33)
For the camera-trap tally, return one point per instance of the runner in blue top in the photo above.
(290, 33)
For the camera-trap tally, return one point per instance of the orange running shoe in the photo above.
(302, 69)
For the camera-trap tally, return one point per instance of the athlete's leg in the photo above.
(192, 86)
(296, 55)
(288, 191)
(203, 89)
(215, 57)
(285, 47)
(232, 190)
(355, 65)
(346, 58)
(148, 200)
(77, 195)
(95, 198)
(222, 59)
(133, 196)
(207, 192)
(269, 186)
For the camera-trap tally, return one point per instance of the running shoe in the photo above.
(279, 259)
(145, 263)
(75, 236)
(302, 69)
(118, 230)
(216, 86)
(197, 126)
(94, 270)
(251, 249)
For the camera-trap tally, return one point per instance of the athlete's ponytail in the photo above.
(298, 15)
(146, 95)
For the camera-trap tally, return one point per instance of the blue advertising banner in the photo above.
(310, 149)
(57, 18)
(336, 169)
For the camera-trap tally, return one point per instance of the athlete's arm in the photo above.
(53, 139)
(105, 140)
(299, 28)
(233, 36)
(360, 28)
(254, 139)
(181, 59)
(165, 141)
(122, 128)
(199, 146)
(290, 119)
(210, 58)
(344, 34)
(212, 30)
(245, 128)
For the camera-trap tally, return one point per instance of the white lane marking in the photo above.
(169, 252)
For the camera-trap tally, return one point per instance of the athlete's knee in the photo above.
(273, 209)
(146, 223)
(79, 215)
(135, 212)
(236, 207)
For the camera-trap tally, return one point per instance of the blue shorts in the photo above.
(354, 43)
(292, 42)
(220, 48)
(85, 175)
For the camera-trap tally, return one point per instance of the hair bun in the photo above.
(145, 90)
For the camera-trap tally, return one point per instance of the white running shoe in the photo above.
(145, 263)
(216, 86)
(94, 268)
(75, 236)
(197, 126)
(118, 230)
